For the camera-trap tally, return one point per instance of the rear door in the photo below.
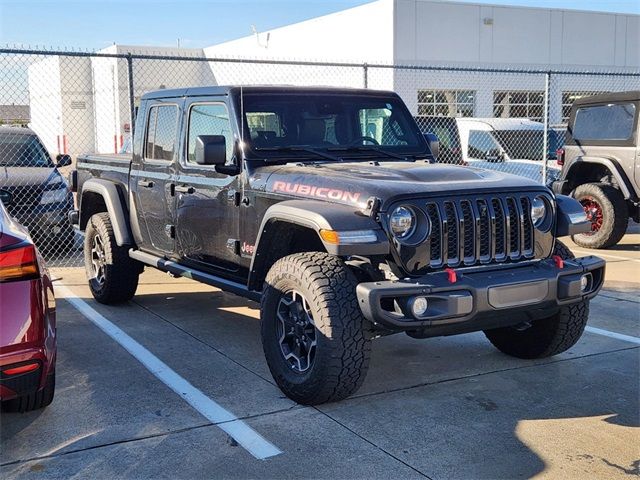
(151, 181)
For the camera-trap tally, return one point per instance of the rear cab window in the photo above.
(612, 123)
(162, 130)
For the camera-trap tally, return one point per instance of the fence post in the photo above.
(132, 109)
(545, 137)
(365, 75)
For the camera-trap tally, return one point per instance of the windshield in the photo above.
(324, 122)
(527, 144)
(19, 150)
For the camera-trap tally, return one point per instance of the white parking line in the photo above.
(242, 433)
(619, 336)
(598, 253)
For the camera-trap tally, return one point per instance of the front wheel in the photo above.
(313, 332)
(546, 336)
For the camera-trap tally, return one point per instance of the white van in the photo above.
(512, 145)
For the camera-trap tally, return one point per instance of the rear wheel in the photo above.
(35, 400)
(313, 332)
(607, 211)
(112, 274)
(547, 336)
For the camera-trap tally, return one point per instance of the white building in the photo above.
(438, 33)
(85, 103)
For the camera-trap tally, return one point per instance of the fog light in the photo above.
(584, 282)
(418, 306)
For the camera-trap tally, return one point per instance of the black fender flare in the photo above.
(571, 219)
(626, 188)
(316, 215)
(117, 214)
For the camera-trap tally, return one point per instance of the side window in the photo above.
(161, 132)
(208, 119)
(605, 122)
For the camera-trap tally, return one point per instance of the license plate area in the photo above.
(528, 293)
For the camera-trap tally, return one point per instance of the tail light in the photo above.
(19, 263)
(24, 368)
(560, 156)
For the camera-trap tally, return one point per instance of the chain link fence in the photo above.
(55, 106)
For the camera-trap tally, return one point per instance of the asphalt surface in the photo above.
(442, 408)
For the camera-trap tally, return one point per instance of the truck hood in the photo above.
(28, 176)
(354, 182)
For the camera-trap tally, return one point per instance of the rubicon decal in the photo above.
(318, 192)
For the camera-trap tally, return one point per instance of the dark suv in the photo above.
(41, 196)
(601, 165)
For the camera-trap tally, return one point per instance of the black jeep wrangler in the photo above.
(601, 165)
(327, 207)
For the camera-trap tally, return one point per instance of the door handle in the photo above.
(184, 189)
(145, 183)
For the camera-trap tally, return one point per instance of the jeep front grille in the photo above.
(482, 229)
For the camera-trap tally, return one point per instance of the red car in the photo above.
(27, 320)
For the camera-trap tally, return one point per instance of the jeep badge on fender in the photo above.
(326, 206)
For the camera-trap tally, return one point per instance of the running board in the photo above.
(180, 270)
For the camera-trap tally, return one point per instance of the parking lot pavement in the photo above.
(449, 407)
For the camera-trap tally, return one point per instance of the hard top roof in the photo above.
(228, 89)
(16, 130)
(630, 96)
(505, 123)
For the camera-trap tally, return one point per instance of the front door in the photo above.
(151, 178)
(207, 201)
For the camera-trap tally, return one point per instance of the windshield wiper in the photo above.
(328, 156)
(359, 148)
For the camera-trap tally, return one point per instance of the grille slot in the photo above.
(527, 225)
(468, 232)
(471, 230)
(452, 233)
(435, 245)
(500, 229)
(514, 231)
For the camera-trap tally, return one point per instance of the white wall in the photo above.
(449, 32)
(359, 34)
(45, 103)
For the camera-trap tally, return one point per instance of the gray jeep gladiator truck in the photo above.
(601, 165)
(326, 206)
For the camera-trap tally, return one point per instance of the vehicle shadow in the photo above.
(419, 392)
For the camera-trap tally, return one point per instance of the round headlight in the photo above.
(402, 222)
(538, 211)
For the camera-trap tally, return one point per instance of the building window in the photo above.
(447, 103)
(519, 104)
(567, 101)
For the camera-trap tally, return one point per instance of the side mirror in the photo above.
(211, 150)
(63, 160)
(6, 197)
(494, 156)
(434, 144)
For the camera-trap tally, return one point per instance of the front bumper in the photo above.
(481, 297)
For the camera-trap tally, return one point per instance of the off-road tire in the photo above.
(547, 336)
(615, 215)
(343, 348)
(120, 271)
(33, 401)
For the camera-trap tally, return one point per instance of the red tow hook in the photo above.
(559, 261)
(453, 278)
